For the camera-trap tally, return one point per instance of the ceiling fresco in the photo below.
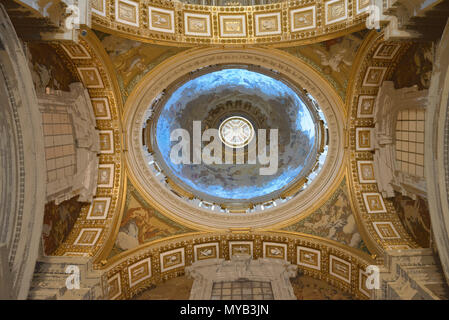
(141, 223)
(49, 69)
(133, 59)
(415, 67)
(333, 59)
(302, 68)
(281, 108)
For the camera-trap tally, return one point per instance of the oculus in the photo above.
(237, 103)
(236, 132)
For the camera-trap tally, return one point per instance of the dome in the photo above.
(250, 109)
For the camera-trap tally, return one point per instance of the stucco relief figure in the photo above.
(127, 57)
(367, 172)
(92, 76)
(374, 76)
(132, 59)
(173, 259)
(127, 13)
(41, 76)
(333, 60)
(240, 250)
(268, 25)
(341, 268)
(104, 176)
(159, 20)
(141, 223)
(366, 106)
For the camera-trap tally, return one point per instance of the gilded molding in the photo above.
(279, 24)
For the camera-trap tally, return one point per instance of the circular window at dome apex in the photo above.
(236, 137)
(236, 132)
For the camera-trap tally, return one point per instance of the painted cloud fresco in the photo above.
(282, 109)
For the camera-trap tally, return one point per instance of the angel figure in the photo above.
(338, 52)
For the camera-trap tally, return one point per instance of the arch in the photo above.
(135, 270)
